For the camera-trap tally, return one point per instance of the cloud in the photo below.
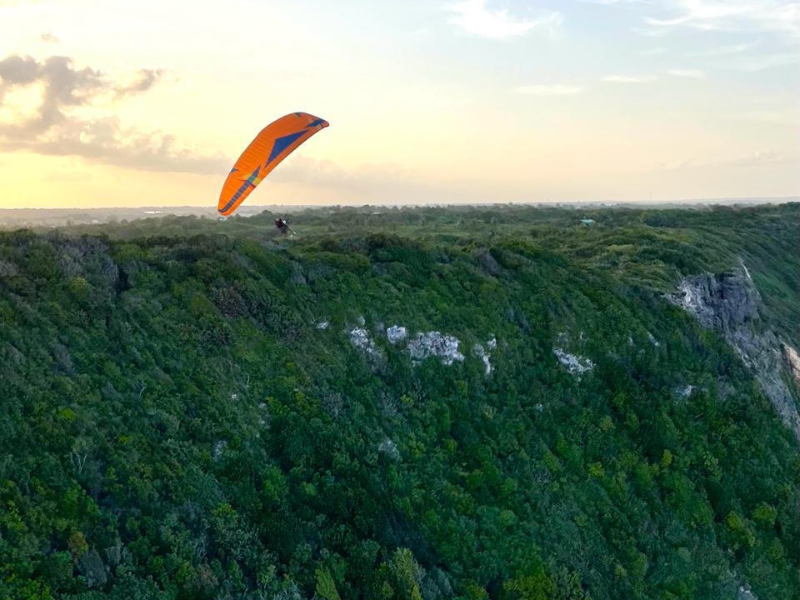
(56, 129)
(145, 79)
(106, 141)
(49, 38)
(474, 17)
(687, 73)
(549, 90)
(64, 86)
(629, 79)
(775, 16)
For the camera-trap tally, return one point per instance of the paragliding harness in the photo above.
(283, 226)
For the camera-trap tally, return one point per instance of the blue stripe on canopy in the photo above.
(236, 196)
(282, 143)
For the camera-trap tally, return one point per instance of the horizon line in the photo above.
(709, 201)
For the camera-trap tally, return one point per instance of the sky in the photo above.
(117, 103)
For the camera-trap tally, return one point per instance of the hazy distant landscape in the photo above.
(56, 217)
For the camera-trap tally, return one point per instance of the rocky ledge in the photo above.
(729, 303)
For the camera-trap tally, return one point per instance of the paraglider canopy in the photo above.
(273, 144)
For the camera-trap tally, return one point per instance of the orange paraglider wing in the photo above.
(275, 142)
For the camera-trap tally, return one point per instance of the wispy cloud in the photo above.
(629, 79)
(549, 90)
(49, 38)
(778, 16)
(475, 17)
(107, 141)
(55, 128)
(144, 80)
(687, 73)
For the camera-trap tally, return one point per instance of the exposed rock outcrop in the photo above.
(729, 303)
(422, 346)
(434, 343)
(396, 334)
(361, 339)
(577, 365)
(793, 359)
(480, 352)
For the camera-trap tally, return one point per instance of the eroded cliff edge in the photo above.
(729, 303)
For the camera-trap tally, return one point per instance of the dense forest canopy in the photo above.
(430, 403)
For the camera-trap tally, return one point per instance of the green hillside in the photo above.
(202, 409)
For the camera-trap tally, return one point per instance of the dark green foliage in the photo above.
(176, 423)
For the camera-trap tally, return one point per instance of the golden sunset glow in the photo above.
(465, 101)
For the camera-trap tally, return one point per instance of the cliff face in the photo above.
(729, 303)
